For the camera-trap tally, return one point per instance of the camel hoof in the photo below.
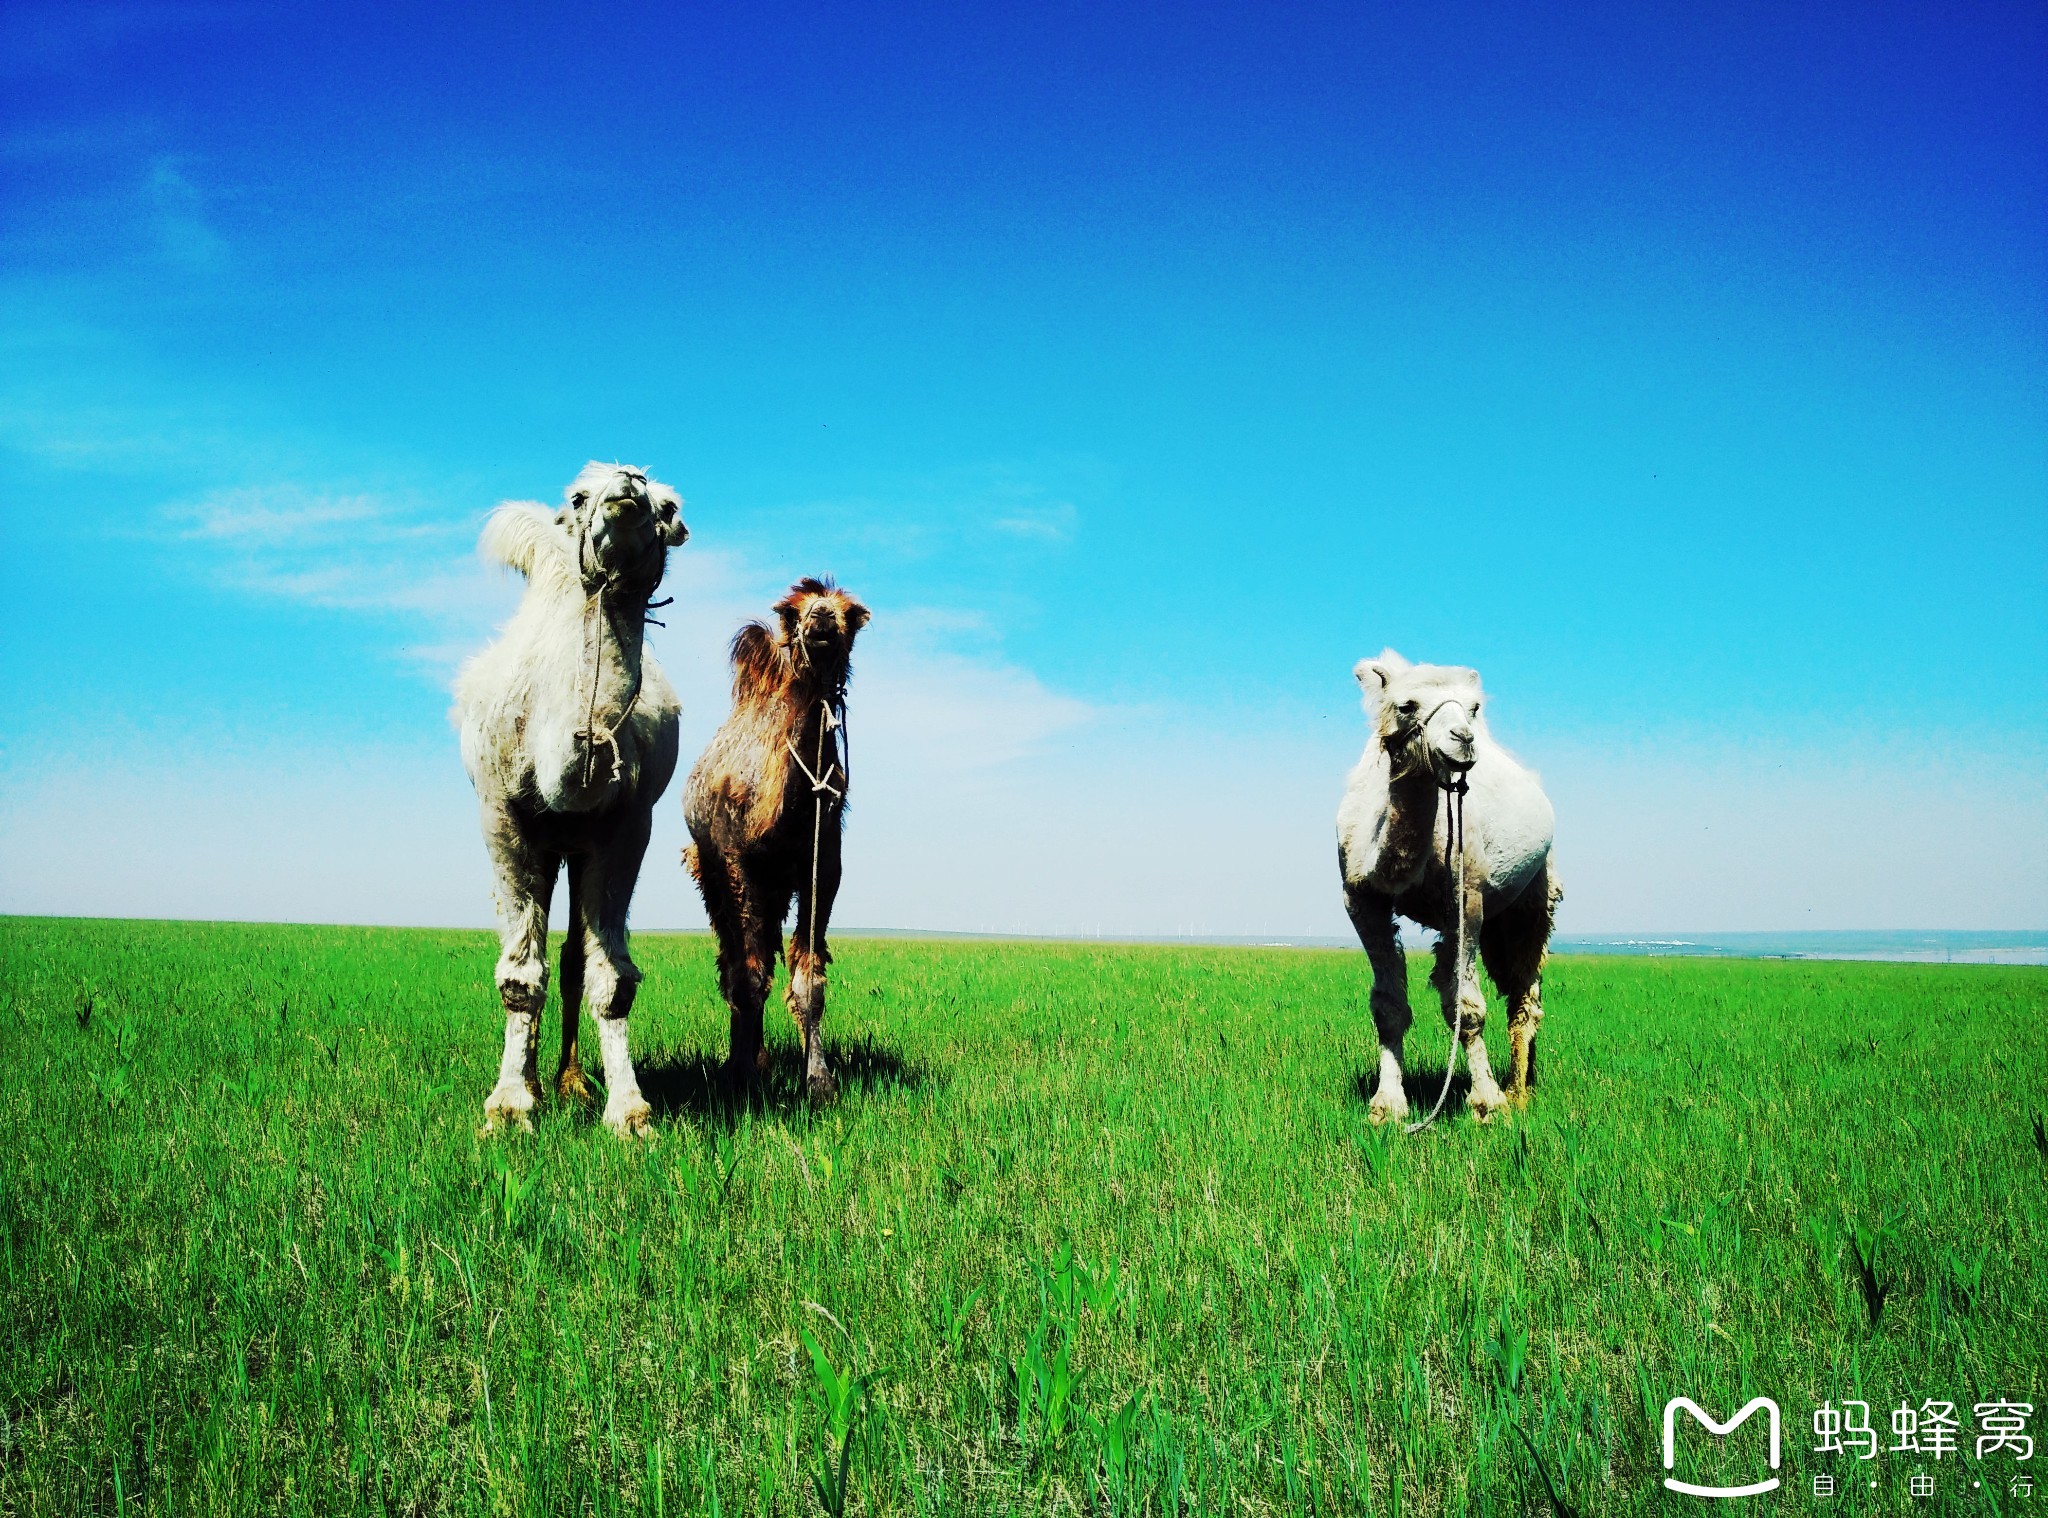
(821, 1087)
(571, 1086)
(1380, 1113)
(633, 1121)
(1484, 1104)
(509, 1109)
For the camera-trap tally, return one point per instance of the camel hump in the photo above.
(521, 535)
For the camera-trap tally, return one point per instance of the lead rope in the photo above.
(588, 732)
(1454, 845)
(593, 733)
(821, 787)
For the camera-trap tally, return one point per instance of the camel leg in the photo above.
(718, 882)
(746, 957)
(1521, 986)
(1514, 947)
(763, 906)
(1525, 1016)
(610, 976)
(525, 885)
(1457, 981)
(1372, 914)
(808, 957)
(570, 1083)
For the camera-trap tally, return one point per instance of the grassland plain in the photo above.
(1091, 1229)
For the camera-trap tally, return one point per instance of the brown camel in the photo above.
(765, 804)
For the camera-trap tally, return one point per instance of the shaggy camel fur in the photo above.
(569, 736)
(760, 835)
(1392, 832)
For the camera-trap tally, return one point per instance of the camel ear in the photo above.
(668, 516)
(785, 611)
(1372, 677)
(857, 617)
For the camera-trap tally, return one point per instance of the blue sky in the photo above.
(1686, 373)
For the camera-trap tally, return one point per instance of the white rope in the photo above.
(595, 734)
(821, 787)
(1454, 847)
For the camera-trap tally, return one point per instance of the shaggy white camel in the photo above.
(1430, 746)
(569, 736)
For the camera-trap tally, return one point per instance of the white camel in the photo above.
(569, 736)
(1429, 749)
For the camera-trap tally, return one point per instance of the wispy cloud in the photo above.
(177, 212)
(938, 695)
(956, 514)
(348, 552)
(942, 713)
(271, 517)
(1050, 523)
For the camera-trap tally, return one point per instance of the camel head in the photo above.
(624, 525)
(816, 626)
(1427, 714)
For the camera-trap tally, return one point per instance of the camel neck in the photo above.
(807, 702)
(810, 686)
(807, 728)
(620, 635)
(1411, 822)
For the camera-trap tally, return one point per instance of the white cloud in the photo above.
(1052, 522)
(277, 517)
(958, 514)
(177, 209)
(350, 552)
(931, 709)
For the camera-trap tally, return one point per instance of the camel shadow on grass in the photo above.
(692, 1086)
(1422, 1087)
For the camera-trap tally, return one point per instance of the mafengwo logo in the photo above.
(1719, 1430)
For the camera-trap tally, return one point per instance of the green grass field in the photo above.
(1091, 1229)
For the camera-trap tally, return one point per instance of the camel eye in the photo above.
(1411, 707)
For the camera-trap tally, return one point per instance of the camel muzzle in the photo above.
(625, 508)
(625, 536)
(1453, 746)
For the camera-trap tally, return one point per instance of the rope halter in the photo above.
(601, 587)
(834, 713)
(1454, 791)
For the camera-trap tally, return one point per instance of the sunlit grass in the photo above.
(1091, 1229)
